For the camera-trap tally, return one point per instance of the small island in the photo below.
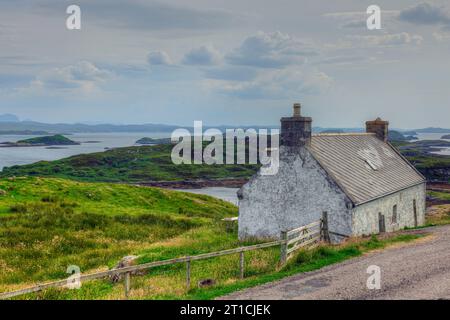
(152, 141)
(447, 137)
(55, 140)
(398, 136)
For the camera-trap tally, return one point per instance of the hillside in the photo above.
(48, 224)
(436, 168)
(132, 164)
(153, 163)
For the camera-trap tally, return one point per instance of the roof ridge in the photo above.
(344, 134)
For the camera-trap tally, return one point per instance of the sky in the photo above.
(226, 62)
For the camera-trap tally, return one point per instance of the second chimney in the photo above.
(379, 127)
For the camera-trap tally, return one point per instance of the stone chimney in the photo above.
(379, 127)
(296, 130)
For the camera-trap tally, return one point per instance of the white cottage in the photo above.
(359, 179)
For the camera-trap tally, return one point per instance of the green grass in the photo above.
(305, 261)
(439, 214)
(260, 267)
(48, 224)
(440, 195)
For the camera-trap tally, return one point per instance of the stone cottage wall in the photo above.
(365, 217)
(295, 196)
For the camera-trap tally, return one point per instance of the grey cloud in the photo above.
(357, 24)
(425, 13)
(204, 55)
(83, 75)
(270, 50)
(280, 84)
(159, 58)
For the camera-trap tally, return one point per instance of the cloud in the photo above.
(270, 50)
(357, 24)
(280, 84)
(425, 14)
(204, 55)
(159, 58)
(83, 75)
(345, 60)
(145, 14)
(388, 40)
(232, 73)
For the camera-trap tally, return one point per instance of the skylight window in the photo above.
(371, 164)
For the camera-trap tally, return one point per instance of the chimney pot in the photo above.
(297, 107)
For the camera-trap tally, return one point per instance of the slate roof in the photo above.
(364, 167)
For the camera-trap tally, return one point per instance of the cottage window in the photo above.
(394, 214)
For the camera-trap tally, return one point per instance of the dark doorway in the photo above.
(381, 223)
(415, 213)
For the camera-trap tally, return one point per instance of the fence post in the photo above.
(241, 264)
(324, 229)
(283, 255)
(188, 274)
(127, 284)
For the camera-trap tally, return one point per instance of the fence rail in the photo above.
(309, 235)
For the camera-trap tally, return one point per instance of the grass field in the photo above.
(48, 224)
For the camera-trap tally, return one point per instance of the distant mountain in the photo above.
(85, 128)
(7, 117)
(333, 131)
(432, 130)
(9, 122)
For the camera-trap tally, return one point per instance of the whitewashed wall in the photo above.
(365, 217)
(296, 196)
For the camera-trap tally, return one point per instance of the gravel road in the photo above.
(415, 270)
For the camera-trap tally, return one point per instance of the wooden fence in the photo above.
(290, 241)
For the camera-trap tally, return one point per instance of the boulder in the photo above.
(206, 283)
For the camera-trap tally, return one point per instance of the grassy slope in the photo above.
(439, 214)
(48, 224)
(132, 164)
